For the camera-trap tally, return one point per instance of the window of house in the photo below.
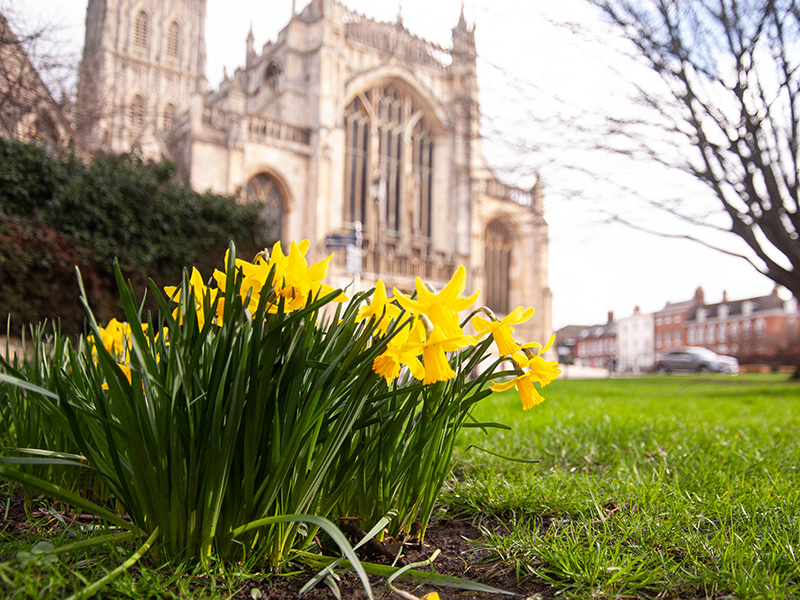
(701, 335)
(723, 332)
(141, 31)
(677, 338)
(735, 329)
(667, 320)
(761, 327)
(264, 189)
(712, 337)
(690, 336)
(174, 41)
(659, 341)
(137, 113)
(667, 338)
(497, 266)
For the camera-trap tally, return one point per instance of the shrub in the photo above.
(56, 212)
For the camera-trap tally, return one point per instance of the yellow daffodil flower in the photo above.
(402, 349)
(501, 330)
(381, 307)
(524, 384)
(299, 280)
(537, 370)
(200, 291)
(442, 308)
(433, 354)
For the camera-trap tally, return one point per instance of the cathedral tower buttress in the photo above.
(142, 61)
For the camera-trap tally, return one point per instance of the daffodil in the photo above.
(402, 349)
(116, 337)
(536, 370)
(501, 330)
(299, 280)
(381, 308)
(200, 291)
(527, 392)
(433, 354)
(442, 308)
(254, 278)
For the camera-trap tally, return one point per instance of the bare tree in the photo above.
(31, 70)
(730, 102)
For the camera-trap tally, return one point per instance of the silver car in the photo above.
(696, 359)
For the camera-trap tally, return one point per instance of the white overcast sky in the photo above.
(533, 73)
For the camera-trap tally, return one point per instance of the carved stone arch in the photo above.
(137, 112)
(142, 30)
(272, 74)
(173, 42)
(499, 242)
(399, 77)
(267, 187)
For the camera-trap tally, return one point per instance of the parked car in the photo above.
(696, 359)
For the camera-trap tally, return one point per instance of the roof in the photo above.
(736, 307)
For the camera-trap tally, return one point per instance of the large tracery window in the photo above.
(388, 138)
(264, 189)
(498, 265)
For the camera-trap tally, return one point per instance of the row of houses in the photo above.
(761, 330)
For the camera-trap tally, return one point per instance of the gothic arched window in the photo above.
(389, 147)
(141, 31)
(422, 146)
(169, 116)
(174, 41)
(357, 178)
(497, 265)
(263, 188)
(391, 117)
(137, 116)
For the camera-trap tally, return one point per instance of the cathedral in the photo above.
(352, 133)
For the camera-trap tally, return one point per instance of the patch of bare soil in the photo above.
(459, 556)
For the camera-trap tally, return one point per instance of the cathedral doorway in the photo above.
(264, 189)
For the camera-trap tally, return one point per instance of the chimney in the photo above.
(636, 310)
(611, 316)
(724, 295)
(699, 296)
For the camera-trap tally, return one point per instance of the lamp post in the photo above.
(378, 190)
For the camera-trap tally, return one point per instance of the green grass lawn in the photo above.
(650, 487)
(657, 487)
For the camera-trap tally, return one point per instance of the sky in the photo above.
(546, 70)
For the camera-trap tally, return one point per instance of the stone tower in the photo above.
(142, 62)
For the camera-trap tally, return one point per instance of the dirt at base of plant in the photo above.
(459, 556)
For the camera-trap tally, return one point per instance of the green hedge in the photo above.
(59, 212)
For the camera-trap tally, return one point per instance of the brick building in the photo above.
(670, 322)
(761, 330)
(596, 345)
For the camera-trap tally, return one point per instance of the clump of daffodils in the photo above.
(419, 332)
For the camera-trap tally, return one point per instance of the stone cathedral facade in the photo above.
(340, 124)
